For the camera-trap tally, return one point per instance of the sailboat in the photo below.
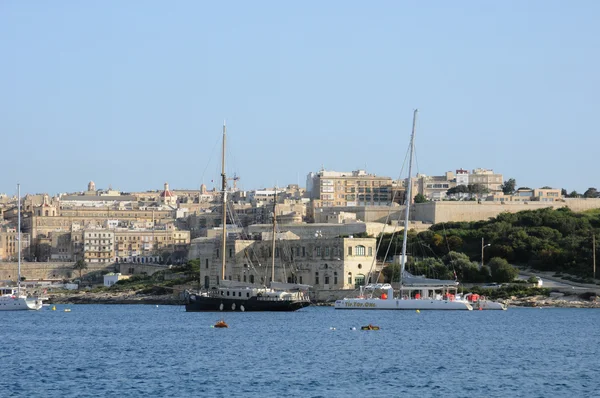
(13, 298)
(415, 293)
(240, 296)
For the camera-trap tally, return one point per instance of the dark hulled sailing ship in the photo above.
(240, 296)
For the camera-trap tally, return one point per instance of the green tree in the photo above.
(591, 193)
(508, 187)
(477, 189)
(80, 266)
(574, 194)
(391, 273)
(563, 192)
(501, 270)
(420, 198)
(457, 189)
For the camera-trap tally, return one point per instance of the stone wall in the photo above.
(448, 211)
(46, 271)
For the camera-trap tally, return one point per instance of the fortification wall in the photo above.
(437, 212)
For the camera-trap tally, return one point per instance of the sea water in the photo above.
(162, 351)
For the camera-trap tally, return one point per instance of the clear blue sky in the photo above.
(134, 93)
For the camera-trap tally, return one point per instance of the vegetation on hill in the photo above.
(546, 239)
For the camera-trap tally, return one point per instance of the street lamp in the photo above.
(483, 246)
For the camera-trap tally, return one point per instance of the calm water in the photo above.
(144, 351)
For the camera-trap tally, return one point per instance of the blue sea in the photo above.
(162, 351)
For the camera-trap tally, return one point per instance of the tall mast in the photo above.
(273, 239)
(224, 220)
(408, 195)
(19, 236)
(594, 254)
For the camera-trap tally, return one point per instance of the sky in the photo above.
(133, 94)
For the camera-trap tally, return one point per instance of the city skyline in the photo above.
(134, 95)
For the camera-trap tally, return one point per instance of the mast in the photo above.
(273, 239)
(19, 237)
(594, 254)
(408, 196)
(224, 204)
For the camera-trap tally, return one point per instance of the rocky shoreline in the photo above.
(173, 299)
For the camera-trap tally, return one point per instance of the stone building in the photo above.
(324, 263)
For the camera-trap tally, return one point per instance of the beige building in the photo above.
(9, 244)
(341, 189)
(529, 195)
(433, 187)
(324, 263)
(486, 178)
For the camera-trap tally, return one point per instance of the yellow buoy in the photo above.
(53, 308)
(418, 311)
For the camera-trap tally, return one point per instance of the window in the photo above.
(327, 279)
(230, 253)
(303, 251)
(327, 251)
(217, 251)
(300, 281)
(349, 250)
(359, 280)
(370, 251)
(276, 252)
(335, 278)
(206, 263)
(316, 278)
(318, 251)
(349, 278)
(360, 250)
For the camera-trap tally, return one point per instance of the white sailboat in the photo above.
(415, 293)
(13, 298)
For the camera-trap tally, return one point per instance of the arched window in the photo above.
(349, 278)
(359, 280)
(206, 281)
(360, 251)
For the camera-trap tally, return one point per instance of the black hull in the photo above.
(202, 303)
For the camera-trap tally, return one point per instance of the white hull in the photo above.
(8, 303)
(488, 305)
(400, 304)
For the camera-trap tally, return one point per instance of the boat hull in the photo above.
(19, 304)
(401, 304)
(489, 305)
(196, 303)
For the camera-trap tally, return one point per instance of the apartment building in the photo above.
(486, 178)
(529, 195)
(433, 187)
(347, 189)
(9, 244)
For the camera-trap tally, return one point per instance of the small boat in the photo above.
(221, 324)
(369, 327)
(15, 298)
(67, 310)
